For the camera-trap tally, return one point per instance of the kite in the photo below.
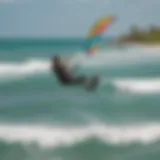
(96, 31)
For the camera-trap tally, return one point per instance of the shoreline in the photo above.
(142, 44)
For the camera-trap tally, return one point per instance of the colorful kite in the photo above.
(97, 30)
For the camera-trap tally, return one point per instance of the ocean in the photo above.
(42, 120)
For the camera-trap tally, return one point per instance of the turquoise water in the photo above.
(42, 120)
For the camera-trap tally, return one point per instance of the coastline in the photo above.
(142, 44)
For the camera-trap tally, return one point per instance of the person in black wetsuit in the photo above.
(64, 75)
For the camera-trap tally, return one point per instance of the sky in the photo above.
(73, 18)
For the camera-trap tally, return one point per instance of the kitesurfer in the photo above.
(64, 75)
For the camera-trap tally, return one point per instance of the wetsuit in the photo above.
(65, 77)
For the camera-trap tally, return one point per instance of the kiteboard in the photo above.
(92, 83)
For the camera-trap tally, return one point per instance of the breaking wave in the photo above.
(13, 70)
(136, 85)
(55, 136)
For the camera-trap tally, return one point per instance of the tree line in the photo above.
(137, 34)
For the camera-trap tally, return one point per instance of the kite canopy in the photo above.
(97, 30)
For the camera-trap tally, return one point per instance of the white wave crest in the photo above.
(54, 136)
(138, 85)
(21, 69)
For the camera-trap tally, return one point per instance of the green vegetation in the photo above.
(151, 35)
